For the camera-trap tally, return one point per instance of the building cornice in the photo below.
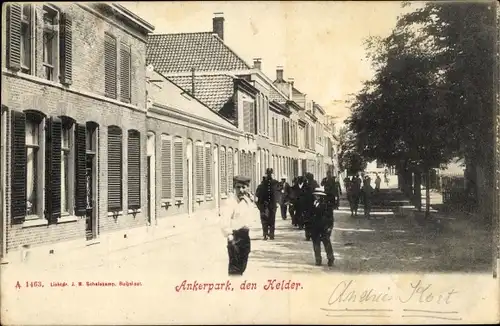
(241, 84)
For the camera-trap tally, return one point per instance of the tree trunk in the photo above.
(427, 194)
(417, 191)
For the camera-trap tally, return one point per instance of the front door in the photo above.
(90, 220)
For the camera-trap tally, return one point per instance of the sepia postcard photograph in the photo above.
(250, 162)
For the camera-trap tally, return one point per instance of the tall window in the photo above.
(33, 158)
(110, 66)
(166, 167)
(178, 168)
(114, 169)
(249, 117)
(208, 171)
(50, 42)
(67, 173)
(26, 40)
(125, 73)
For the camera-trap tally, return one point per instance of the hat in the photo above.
(319, 191)
(241, 179)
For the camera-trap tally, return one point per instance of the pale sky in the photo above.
(319, 44)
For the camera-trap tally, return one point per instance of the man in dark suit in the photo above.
(321, 226)
(268, 201)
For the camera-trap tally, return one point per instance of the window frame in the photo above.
(128, 49)
(109, 36)
(55, 31)
(69, 125)
(40, 121)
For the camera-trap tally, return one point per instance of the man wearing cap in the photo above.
(321, 226)
(284, 196)
(267, 197)
(236, 217)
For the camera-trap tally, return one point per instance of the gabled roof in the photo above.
(174, 96)
(213, 90)
(277, 97)
(203, 51)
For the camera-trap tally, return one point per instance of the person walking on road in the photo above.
(368, 196)
(355, 187)
(378, 180)
(263, 209)
(284, 197)
(292, 208)
(321, 226)
(267, 198)
(235, 222)
(308, 197)
(332, 190)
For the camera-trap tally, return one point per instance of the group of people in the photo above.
(360, 191)
(310, 206)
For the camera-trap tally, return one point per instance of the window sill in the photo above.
(223, 196)
(31, 221)
(132, 211)
(166, 203)
(199, 199)
(209, 198)
(115, 213)
(67, 218)
(179, 201)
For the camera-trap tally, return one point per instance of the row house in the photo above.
(73, 122)
(203, 65)
(192, 153)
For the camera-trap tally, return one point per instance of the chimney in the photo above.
(218, 24)
(290, 88)
(257, 63)
(291, 80)
(279, 73)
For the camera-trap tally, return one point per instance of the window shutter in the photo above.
(66, 49)
(223, 174)
(80, 171)
(230, 171)
(208, 170)
(178, 169)
(166, 169)
(125, 62)
(53, 170)
(199, 170)
(134, 169)
(252, 117)
(110, 66)
(14, 36)
(114, 169)
(18, 167)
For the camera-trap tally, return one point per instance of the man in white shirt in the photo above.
(236, 217)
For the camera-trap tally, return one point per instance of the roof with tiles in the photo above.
(170, 94)
(203, 51)
(213, 90)
(276, 96)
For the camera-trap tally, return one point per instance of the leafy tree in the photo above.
(349, 158)
(427, 101)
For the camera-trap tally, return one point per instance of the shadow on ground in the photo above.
(389, 242)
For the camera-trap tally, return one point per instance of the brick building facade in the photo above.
(74, 109)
